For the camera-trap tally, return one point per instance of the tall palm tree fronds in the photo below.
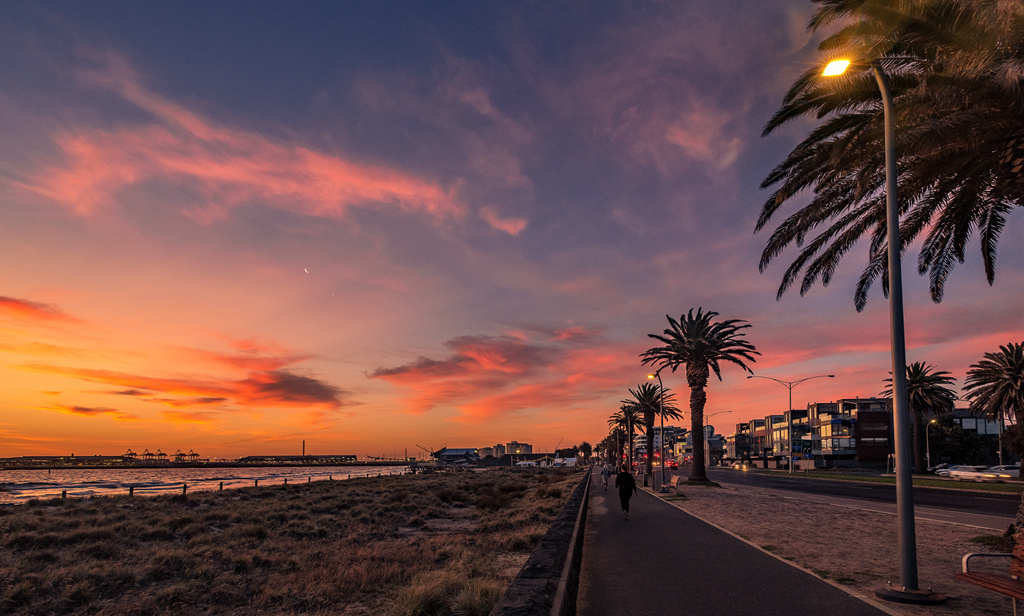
(928, 391)
(957, 74)
(995, 385)
(701, 344)
(651, 400)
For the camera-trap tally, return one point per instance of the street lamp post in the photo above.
(704, 429)
(661, 405)
(999, 417)
(928, 445)
(909, 591)
(789, 413)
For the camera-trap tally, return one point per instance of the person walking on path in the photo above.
(627, 488)
(606, 474)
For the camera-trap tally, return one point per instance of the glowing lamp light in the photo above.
(835, 67)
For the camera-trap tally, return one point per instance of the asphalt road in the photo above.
(964, 501)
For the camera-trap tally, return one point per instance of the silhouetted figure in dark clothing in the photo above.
(627, 488)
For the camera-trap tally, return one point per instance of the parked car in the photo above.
(969, 473)
(1006, 468)
(947, 472)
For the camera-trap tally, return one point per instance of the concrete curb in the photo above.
(548, 583)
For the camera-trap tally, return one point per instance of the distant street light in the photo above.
(928, 445)
(707, 452)
(661, 403)
(790, 385)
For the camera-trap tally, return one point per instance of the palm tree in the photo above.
(955, 69)
(928, 392)
(626, 419)
(701, 344)
(651, 401)
(995, 385)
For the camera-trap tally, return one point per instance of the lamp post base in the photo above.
(904, 595)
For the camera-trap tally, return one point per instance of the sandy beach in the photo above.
(853, 548)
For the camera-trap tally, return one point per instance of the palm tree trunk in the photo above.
(919, 462)
(698, 398)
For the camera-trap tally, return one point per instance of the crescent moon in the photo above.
(305, 269)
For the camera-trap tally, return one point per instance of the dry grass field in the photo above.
(441, 543)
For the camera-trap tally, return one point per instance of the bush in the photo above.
(477, 598)
(492, 501)
(429, 594)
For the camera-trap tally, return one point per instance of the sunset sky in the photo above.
(375, 226)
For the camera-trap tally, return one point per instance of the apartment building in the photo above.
(851, 432)
(516, 447)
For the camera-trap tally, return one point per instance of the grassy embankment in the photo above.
(444, 543)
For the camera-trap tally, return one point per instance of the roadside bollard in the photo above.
(285, 481)
(63, 493)
(222, 486)
(257, 483)
(309, 480)
(131, 490)
(184, 488)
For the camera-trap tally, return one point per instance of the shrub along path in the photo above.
(665, 561)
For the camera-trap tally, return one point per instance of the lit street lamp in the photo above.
(928, 445)
(790, 385)
(909, 591)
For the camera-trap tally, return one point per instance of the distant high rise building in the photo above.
(516, 447)
(499, 450)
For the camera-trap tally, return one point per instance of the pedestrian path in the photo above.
(665, 561)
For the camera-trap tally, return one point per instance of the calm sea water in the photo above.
(20, 485)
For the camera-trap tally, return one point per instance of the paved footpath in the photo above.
(665, 562)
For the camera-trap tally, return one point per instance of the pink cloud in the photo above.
(91, 411)
(574, 333)
(227, 167)
(32, 311)
(267, 389)
(490, 376)
(512, 226)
